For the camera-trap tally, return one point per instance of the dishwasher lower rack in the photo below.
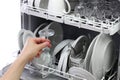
(46, 71)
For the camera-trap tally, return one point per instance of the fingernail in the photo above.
(48, 44)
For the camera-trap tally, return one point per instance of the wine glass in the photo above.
(46, 33)
(78, 9)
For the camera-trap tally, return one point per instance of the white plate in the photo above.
(86, 63)
(62, 64)
(101, 60)
(65, 61)
(20, 38)
(61, 45)
(80, 72)
(26, 35)
(61, 60)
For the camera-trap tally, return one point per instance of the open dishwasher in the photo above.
(85, 39)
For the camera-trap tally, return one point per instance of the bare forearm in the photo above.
(31, 49)
(16, 69)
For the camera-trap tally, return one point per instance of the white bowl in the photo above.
(27, 34)
(20, 38)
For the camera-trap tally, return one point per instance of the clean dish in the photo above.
(62, 64)
(59, 48)
(101, 60)
(67, 51)
(20, 38)
(86, 63)
(61, 45)
(61, 60)
(26, 35)
(82, 73)
(109, 57)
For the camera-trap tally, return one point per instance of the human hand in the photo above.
(33, 47)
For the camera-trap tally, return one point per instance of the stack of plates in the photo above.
(59, 48)
(64, 57)
(99, 60)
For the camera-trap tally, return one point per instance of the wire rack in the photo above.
(45, 71)
(106, 23)
(77, 19)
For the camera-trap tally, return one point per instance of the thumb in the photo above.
(43, 45)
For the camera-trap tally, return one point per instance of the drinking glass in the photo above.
(46, 33)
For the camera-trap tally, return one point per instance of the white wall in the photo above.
(9, 27)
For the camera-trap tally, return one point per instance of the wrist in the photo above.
(23, 57)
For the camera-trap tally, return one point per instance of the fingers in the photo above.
(43, 45)
(38, 54)
(41, 40)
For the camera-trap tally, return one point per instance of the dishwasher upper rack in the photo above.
(70, 19)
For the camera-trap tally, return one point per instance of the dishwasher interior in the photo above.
(85, 46)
